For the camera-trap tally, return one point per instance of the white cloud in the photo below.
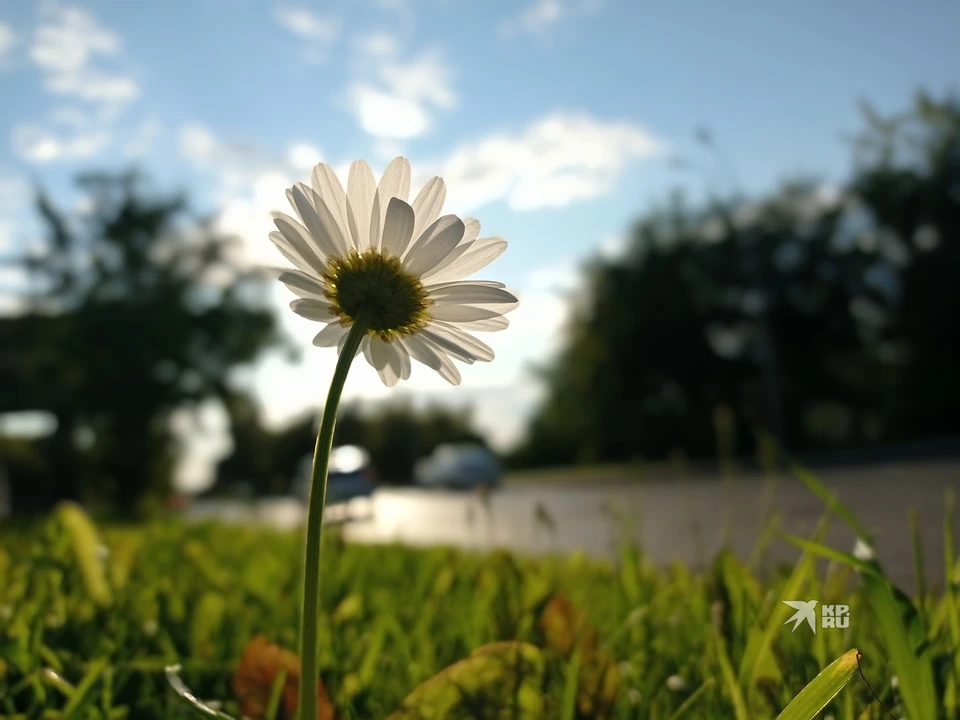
(304, 156)
(8, 40)
(67, 135)
(379, 44)
(236, 165)
(319, 32)
(556, 161)
(542, 15)
(396, 105)
(198, 144)
(142, 139)
(67, 47)
(613, 247)
(384, 115)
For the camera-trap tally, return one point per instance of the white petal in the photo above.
(436, 242)
(386, 359)
(471, 228)
(379, 353)
(428, 204)
(466, 294)
(395, 182)
(425, 352)
(375, 223)
(361, 187)
(444, 343)
(303, 284)
(318, 219)
(368, 351)
(488, 325)
(313, 309)
(477, 348)
(454, 255)
(448, 371)
(404, 360)
(483, 252)
(330, 336)
(327, 186)
(355, 232)
(397, 227)
(462, 313)
(302, 241)
(456, 283)
(421, 351)
(364, 343)
(291, 253)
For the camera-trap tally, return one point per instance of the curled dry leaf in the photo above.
(565, 628)
(253, 681)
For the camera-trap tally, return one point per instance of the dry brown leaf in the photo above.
(253, 681)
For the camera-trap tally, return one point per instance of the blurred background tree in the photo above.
(850, 296)
(135, 310)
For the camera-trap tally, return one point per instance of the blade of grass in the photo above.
(188, 697)
(568, 708)
(914, 670)
(276, 692)
(822, 689)
(831, 500)
(918, 562)
(950, 600)
(866, 567)
(753, 656)
(691, 701)
(83, 691)
(729, 679)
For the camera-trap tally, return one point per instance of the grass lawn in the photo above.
(89, 618)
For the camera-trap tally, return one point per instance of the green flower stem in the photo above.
(318, 493)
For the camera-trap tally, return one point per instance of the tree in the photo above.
(137, 309)
(850, 299)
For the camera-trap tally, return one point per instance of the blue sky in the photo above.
(552, 121)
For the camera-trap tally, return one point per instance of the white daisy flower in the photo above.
(368, 254)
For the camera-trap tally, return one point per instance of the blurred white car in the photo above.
(458, 465)
(349, 475)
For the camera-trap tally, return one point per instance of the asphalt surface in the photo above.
(687, 520)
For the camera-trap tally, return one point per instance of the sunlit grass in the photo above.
(90, 618)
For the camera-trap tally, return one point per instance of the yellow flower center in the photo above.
(393, 300)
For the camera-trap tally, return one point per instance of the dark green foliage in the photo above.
(135, 310)
(830, 321)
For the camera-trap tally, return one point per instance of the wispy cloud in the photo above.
(557, 160)
(380, 44)
(8, 40)
(68, 134)
(397, 101)
(143, 138)
(318, 32)
(70, 47)
(542, 15)
(303, 155)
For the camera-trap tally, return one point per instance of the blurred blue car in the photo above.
(460, 466)
(349, 475)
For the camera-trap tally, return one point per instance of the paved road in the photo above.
(688, 520)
